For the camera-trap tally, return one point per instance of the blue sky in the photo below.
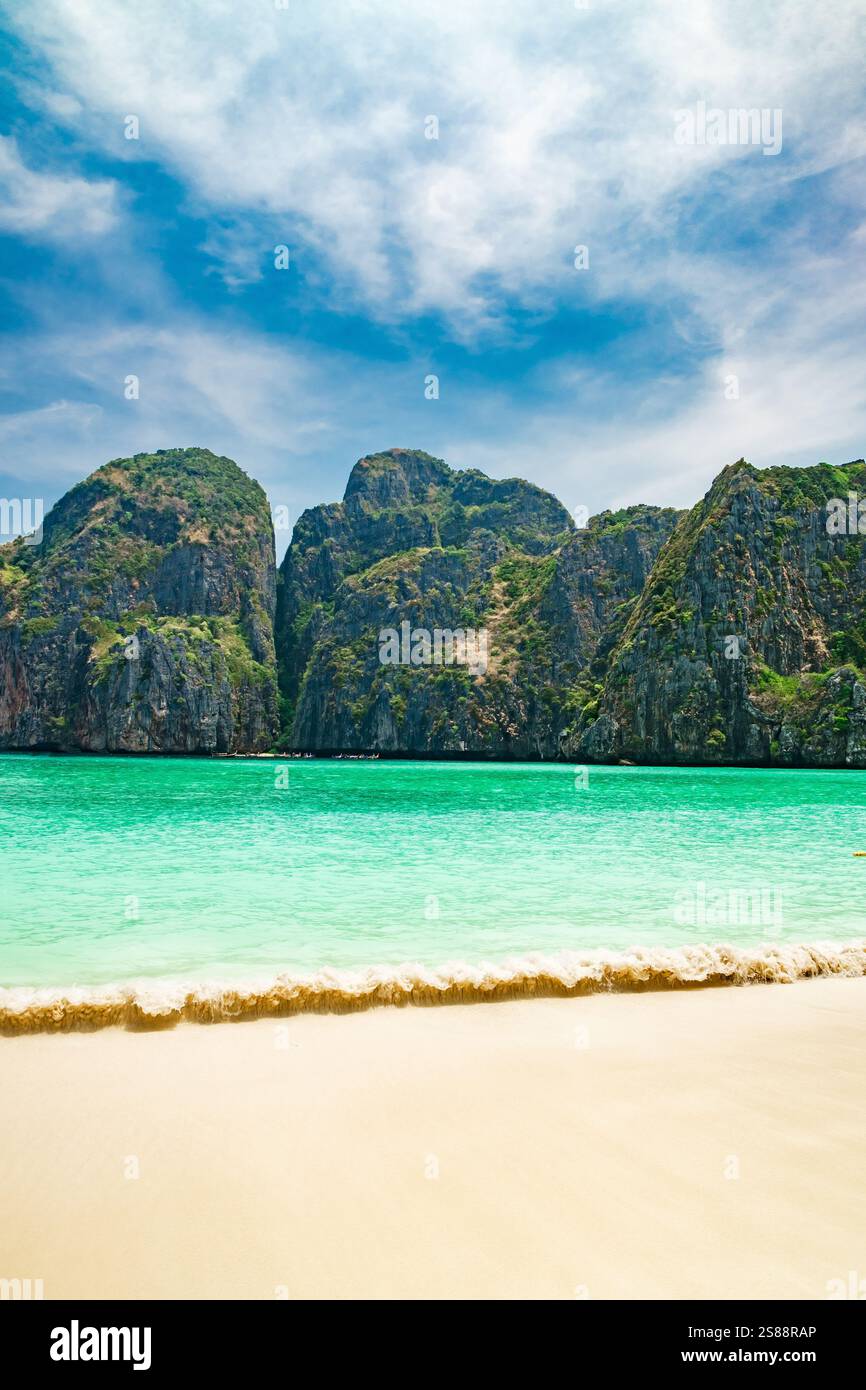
(304, 126)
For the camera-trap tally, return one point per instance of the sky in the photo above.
(431, 168)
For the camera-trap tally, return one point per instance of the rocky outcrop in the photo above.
(748, 642)
(440, 613)
(142, 621)
(417, 548)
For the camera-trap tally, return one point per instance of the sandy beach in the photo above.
(706, 1143)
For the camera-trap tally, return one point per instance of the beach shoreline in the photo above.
(681, 1144)
(152, 1004)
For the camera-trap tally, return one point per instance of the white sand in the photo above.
(582, 1147)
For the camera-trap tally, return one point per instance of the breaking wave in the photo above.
(150, 1004)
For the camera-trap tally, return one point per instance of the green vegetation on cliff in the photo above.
(143, 620)
(415, 542)
(748, 641)
(150, 618)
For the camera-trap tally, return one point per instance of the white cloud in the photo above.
(52, 206)
(296, 417)
(604, 441)
(556, 126)
(265, 403)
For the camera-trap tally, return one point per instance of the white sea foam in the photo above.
(146, 1004)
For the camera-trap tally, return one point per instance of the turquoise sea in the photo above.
(199, 871)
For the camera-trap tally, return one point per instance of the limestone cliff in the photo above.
(416, 543)
(748, 642)
(142, 621)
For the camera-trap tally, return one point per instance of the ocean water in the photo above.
(143, 882)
